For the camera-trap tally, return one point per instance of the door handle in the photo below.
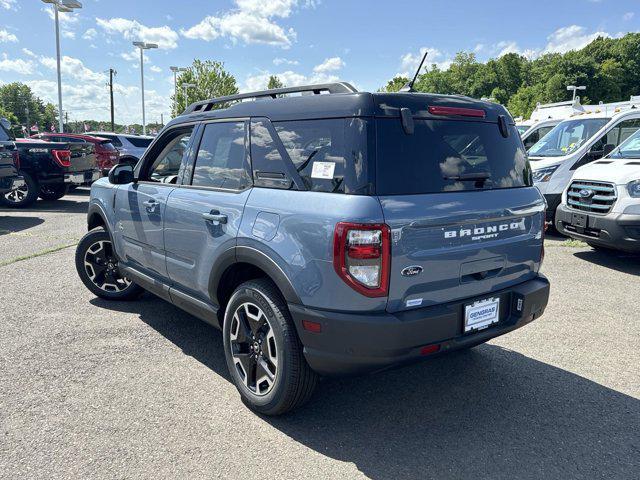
(215, 217)
(151, 206)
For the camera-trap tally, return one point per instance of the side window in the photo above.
(268, 165)
(543, 131)
(221, 159)
(626, 129)
(164, 167)
(114, 140)
(531, 140)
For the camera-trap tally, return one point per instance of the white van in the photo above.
(601, 205)
(582, 139)
(544, 117)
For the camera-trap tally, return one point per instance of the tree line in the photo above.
(608, 67)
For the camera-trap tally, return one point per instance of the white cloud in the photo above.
(329, 65)
(628, 16)
(68, 34)
(7, 37)
(9, 4)
(409, 61)
(573, 37)
(73, 68)
(133, 30)
(288, 78)
(28, 53)
(22, 67)
(131, 56)
(90, 34)
(283, 61)
(155, 69)
(251, 22)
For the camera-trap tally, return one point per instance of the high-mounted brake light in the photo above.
(361, 257)
(464, 112)
(62, 157)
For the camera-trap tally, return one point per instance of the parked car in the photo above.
(9, 163)
(582, 139)
(49, 168)
(601, 205)
(328, 233)
(128, 145)
(106, 154)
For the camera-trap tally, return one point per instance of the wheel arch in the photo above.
(96, 217)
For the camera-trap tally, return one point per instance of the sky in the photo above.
(302, 41)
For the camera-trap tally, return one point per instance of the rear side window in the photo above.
(221, 159)
(140, 142)
(269, 169)
(447, 156)
(114, 140)
(107, 145)
(330, 155)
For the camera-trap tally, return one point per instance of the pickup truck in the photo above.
(9, 164)
(49, 169)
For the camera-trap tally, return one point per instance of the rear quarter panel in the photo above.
(295, 229)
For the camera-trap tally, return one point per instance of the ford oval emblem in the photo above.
(584, 193)
(411, 271)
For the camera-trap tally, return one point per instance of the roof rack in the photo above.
(206, 105)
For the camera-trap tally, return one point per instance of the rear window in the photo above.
(140, 142)
(448, 156)
(114, 140)
(107, 145)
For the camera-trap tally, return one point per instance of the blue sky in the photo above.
(363, 42)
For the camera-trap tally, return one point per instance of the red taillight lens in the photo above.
(430, 349)
(361, 257)
(465, 112)
(16, 159)
(62, 157)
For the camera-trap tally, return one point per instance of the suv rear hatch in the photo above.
(457, 196)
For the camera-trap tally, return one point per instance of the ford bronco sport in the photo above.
(326, 231)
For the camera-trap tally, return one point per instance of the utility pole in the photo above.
(112, 72)
(161, 120)
(66, 120)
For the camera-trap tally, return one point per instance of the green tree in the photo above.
(274, 82)
(17, 100)
(211, 80)
(395, 84)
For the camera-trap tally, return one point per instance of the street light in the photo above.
(143, 46)
(186, 99)
(574, 89)
(61, 6)
(175, 71)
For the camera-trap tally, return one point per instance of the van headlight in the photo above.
(634, 188)
(544, 174)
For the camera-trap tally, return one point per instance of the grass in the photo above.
(36, 254)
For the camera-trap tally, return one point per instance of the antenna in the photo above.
(409, 86)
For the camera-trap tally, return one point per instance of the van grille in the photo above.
(595, 197)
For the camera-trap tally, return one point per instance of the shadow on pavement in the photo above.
(485, 413)
(14, 224)
(55, 206)
(620, 261)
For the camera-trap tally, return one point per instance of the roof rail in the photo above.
(206, 105)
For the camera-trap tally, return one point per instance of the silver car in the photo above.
(133, 145)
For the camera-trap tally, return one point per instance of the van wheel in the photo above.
(263, 351)
(22, 196)
(98, 269)
(54, 191)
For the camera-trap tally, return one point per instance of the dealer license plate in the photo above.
(481, 314)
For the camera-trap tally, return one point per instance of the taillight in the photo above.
(465, 112)
(62, 157)
(16, 159)
(361, 257)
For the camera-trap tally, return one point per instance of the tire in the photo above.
(23, 196)
(257, 320)
(97, 267)
(53, 191)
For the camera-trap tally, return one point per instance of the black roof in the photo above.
(344, 103)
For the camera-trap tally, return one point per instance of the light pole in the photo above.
(186, 98)
(175, 71)
(143, 46)
(574, 89)
(61, 6)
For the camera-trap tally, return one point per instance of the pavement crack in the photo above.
(37, 254)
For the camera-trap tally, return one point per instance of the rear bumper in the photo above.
(79, 178)
(351, 343)
(614, 230)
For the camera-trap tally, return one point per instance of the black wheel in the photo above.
(53, 191)
(98, 268)
(22, 196)
(263, 351)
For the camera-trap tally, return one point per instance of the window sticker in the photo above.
(323, 170)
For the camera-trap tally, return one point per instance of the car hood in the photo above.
(618, 171)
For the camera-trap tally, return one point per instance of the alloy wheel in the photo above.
(101, 266)
(253, 348)
(17, 195)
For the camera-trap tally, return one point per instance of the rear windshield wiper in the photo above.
(478, 177)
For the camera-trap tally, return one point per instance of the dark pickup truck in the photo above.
(49, 169)
(10, 180)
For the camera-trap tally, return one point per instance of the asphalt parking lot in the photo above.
(91, 389)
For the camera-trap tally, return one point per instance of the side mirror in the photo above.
(121, 174)
(608, 148)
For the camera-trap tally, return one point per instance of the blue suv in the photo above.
(326, 231)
